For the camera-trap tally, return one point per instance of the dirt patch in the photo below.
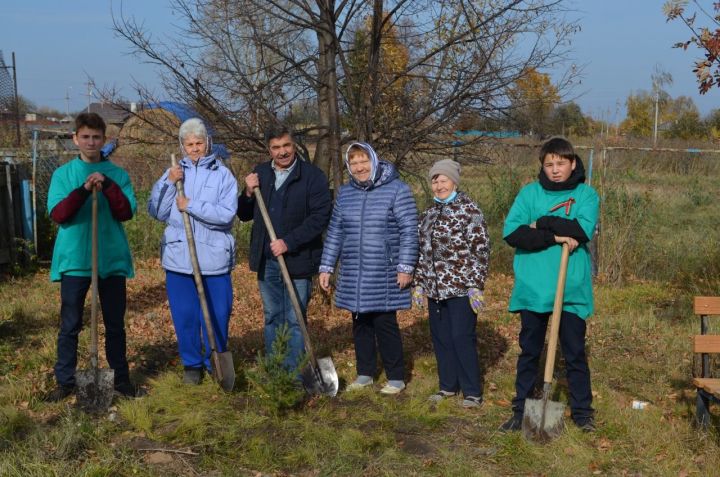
(414, 444)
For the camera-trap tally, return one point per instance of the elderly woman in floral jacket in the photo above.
(451, 272)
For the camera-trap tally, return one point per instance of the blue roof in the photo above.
(184, 112)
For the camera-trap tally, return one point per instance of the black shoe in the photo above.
(192, 376)
(586, 425)
(59, 393)
(513, 424)
(128, 390)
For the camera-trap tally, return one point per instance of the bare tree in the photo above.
(243, 63)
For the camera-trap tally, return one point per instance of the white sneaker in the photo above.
(359, 384)
(391, 389)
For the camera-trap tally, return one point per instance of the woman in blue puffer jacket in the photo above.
(211, 203)
(373, 235)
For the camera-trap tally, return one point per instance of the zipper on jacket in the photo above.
(360, 255)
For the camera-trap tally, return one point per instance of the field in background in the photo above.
(658, 246)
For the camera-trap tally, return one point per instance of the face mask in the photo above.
(449, 198)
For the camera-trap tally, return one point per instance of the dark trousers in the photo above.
(572, 341)
(112, 302)
(452, 326)
(383, 326)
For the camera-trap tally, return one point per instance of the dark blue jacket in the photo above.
(306, 209)
(373, 235)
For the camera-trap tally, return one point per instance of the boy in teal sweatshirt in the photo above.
(558, 208)
(69, 206)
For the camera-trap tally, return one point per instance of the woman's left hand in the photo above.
(404, 279)
(477, 300)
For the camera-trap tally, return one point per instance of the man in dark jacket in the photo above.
(299, 203)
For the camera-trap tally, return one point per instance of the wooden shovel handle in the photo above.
(94, 283)
(557, 311)
(286, 277)
(217, 369)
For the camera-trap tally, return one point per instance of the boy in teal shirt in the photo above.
(68, 205)
(558, 208)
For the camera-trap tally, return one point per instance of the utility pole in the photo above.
(90, 85)
(659, 79)
(657, 101)
(17, 101)
(67, 101)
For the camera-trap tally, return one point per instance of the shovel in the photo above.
(543, 419)
(223, 369)
(95, 386)
(322, 377)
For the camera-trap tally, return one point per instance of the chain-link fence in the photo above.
(9, 120)
(7, 88)
(50, 149)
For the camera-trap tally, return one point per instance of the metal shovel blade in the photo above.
(226, 376)
(95, 389)
(543, 420)
(322, 379)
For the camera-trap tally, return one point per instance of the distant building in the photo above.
(112, 114)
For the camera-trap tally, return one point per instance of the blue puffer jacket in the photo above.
(373, 234)
(212, 190)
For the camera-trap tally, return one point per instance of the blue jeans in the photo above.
(278, 309)
(188, 318)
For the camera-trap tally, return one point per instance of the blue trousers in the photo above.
(73, 291)
(572, 341)
(452, 326)
(278, 309)
(188, 319)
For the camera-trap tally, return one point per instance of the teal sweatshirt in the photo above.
(536, 272)
(73, 246)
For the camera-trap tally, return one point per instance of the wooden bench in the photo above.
(708, 388)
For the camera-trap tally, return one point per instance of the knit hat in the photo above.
(448, 168)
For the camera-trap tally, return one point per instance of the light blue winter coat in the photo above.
(212, 190)
(373, 234)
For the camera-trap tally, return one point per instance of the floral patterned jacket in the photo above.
(454, 249)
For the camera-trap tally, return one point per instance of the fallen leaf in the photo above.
(604, 444)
